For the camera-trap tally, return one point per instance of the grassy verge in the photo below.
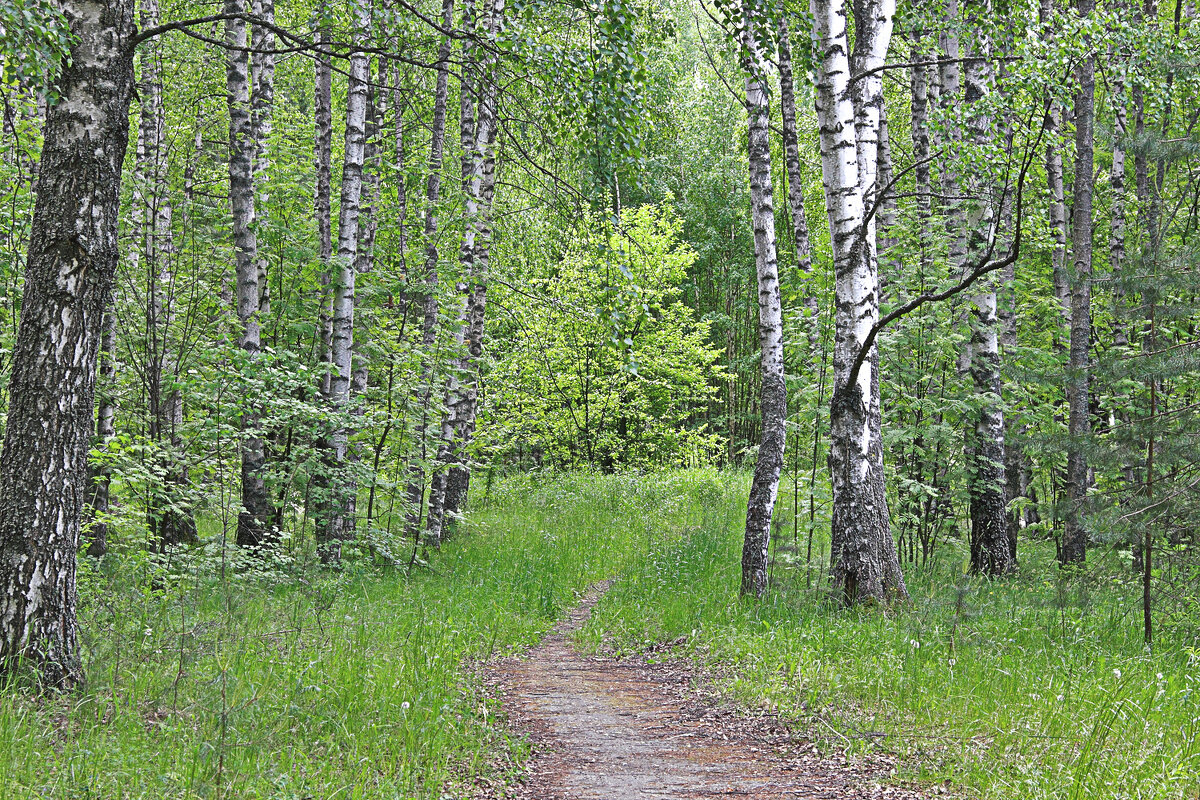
(1034, 687)
(285, 683)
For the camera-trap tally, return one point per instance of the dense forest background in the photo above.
(377, 263)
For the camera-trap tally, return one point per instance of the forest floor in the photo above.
(605, 728)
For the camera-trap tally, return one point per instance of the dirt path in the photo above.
(608, 729)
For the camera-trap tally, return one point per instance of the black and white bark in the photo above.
(68, 287)
(478, 127)
(919, 76)
(1057, 203)
(323, 193)
(764, 487)
(257, 515)
(337, 523)
(795, 177)
(428, 291)
(864, 562)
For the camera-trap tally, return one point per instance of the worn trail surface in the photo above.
(609, 729)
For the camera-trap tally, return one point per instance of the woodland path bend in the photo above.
(611, 729)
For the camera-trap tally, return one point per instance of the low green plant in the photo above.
(1034, 687)
(280, 680)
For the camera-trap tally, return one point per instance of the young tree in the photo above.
(1075, 536)
(764, 487)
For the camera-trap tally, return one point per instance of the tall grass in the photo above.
(298, 683)
(1034, 687)
(286, 683)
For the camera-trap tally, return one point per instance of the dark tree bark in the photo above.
(1075, 535)
(68, 285)
(100, 475)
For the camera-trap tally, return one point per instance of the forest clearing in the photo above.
(599, 399)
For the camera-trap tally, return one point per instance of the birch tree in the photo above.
(415, 493)
(865, 566)
(990, 552)
(337, 524)
(69, 276)
(478, 129)
(255, 520)
(764, 486)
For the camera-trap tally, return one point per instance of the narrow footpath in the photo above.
(622, 729)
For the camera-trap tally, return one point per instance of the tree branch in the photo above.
(983, 267)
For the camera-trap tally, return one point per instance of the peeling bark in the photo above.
(865, 566)
(68, 287)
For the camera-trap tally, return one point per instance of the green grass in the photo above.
(356, 685)
(291, 683)
(1034, 687)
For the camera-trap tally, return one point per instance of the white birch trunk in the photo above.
(338, 523)
(478, 132)
(865, 566)
(415, 492)
(990, 551)
(68, 288)
(764, 487)
(255, 521)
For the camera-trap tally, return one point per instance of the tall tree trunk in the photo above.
(322, 200)
(865, 566)
(478, 132)
(68, 287)
(990, 551)
(919, 75)
(262, 103)
(459, 480)
(1057, 203)
(429, 300)
(795, 178)
(337, 525)
(255, 527)
(364, 261)
(1075, 536)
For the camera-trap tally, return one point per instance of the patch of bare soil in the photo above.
(619, 729)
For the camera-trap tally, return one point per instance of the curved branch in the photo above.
(984, 266)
